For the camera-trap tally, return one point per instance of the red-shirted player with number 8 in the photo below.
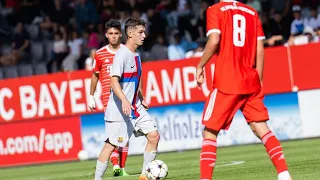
(235, 34)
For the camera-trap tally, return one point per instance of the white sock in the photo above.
(100, 169)
(148, 157)
(284, 176)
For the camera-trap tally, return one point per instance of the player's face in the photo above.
(314, 13)
(139, 35)
(113, 35)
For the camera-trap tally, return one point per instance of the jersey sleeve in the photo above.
(97, 64)
(213, 20)
(118, 63)
(260, 33)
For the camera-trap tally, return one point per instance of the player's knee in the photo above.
(253, 126)
(259, 128)
(106, 152)
(210, 134)
(254, 130)
(108, 147)
(153, 137)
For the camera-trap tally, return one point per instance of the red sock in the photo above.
(274, 151)
(114, 157)
(123, 156)
(207, 158)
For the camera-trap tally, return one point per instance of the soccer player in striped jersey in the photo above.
(102, 68)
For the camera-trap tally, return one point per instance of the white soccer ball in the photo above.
(156, 170)
(83, 155)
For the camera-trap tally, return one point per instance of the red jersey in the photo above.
(240, 28)
(102, 64)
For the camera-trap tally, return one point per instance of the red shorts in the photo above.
(220, 109)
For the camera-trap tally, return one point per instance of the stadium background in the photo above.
(43, 107)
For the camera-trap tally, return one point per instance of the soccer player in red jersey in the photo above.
(102, 67)
(235, 34)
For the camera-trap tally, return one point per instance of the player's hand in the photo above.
(199, 76)
(92, 103)
(127, 107)
(145, 105)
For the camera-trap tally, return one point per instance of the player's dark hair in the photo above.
(133, 23)
(113, 24)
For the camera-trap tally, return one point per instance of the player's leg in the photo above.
(208, 153)
(117, 134)
(218, 114)
(115, 162)
(273, 148)
(103, 158)
(257, 114)
(123, 153)
(146, 126)
(150, 151)
(102, 162)
(115, 157)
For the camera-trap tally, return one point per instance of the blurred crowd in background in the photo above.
(37, 36)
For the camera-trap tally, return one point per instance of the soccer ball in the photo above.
(83, 155)
(156, 170)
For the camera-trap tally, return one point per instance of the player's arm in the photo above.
(260, 50)
(210, 49)
(116, 88)
(213, 33)
(260, 59)
(94, 81)
(141, 97)
(140, 90)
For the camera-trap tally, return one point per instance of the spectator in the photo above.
(187, 23)
(60, 50)
(276, 26)
(47, 27)
(106, 14)
(255, 4)
(75, 45)
(157, 25)
(20, 46)
(201, 21)
(308, 36)
(28, 10)
(93, 38)
(297, 25)
(277, 31)
(123, 15)
(282, 6)
(159, 50)
(90, 60)
(198, 52)
(175, 14)
(104, 4)
(85, 13)
(314, 20)
(60, 13)
(175, 50)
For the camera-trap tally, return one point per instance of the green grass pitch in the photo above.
(247, 162)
